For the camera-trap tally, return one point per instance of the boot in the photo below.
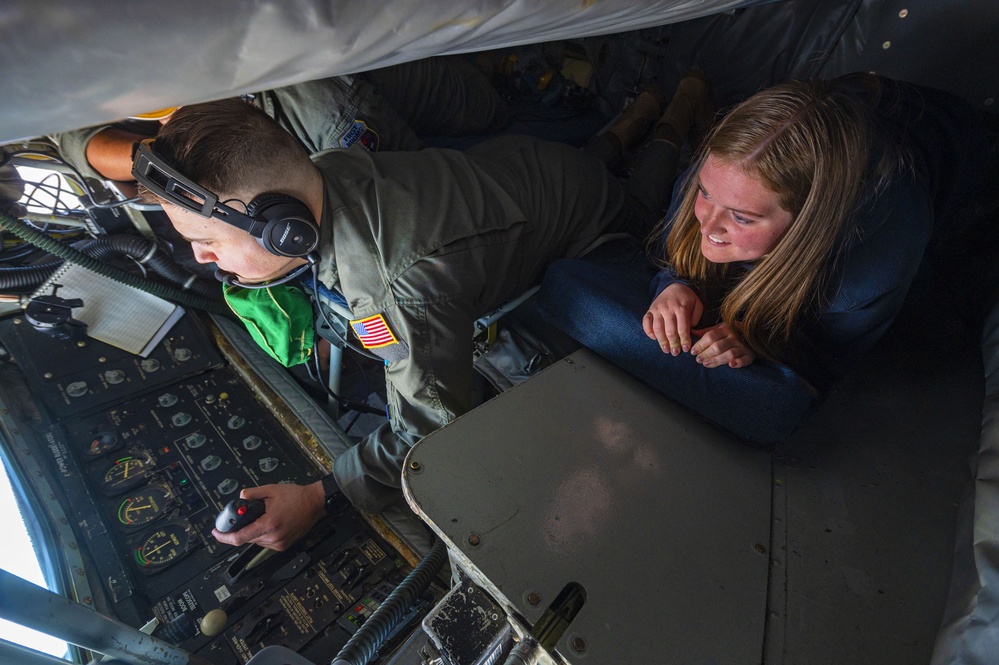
(634, 122)
(690, 112)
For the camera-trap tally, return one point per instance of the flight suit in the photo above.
(383, 110)
(422, 244)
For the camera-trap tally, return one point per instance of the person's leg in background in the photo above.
(683, 121)
(442, 96)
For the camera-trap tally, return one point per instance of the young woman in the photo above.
(804, 219)
(788, 250)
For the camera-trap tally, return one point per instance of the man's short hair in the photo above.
(231, 148)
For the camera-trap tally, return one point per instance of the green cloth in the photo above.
(278, 318)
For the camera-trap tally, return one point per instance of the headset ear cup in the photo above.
(289, 227)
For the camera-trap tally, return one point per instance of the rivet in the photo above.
(17, 322)
(47, 375)
(578, 644)
(102, 359)
(759, 548)
(533, 598)
(903, 13)
(886, 45)
(568, 361)
(474, 540)
(81, 344)
(415, 466)
(88, 600)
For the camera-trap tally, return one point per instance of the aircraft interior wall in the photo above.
(837, 548)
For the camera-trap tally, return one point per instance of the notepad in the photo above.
(115, 313)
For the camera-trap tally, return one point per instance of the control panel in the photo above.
(146, 452)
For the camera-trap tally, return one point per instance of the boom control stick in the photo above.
(238, 513)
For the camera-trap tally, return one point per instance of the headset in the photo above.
(280, 223)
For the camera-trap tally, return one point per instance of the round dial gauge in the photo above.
(126, 473)
(144, 506)
(102, 442)
(162, 547)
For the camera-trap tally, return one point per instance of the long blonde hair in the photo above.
(810, 143)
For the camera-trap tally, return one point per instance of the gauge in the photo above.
(228, 486)
(195, 440)
(126, 473)
(162, 547)
(144, 506)
(268, 464)
(236, 422)
(180, 419)
(182, 354)
(103, 442)
(150, 365)
(77, 389)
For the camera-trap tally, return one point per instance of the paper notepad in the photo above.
(115, 313)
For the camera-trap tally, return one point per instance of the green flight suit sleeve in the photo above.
(426, 390)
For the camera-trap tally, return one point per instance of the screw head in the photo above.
(474, 539)
(578, 644)
(533, 598)
(415, 466)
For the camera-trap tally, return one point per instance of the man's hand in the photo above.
(671, 317)
(290, 511)
(720, 345)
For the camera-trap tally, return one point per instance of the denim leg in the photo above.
(602, 307)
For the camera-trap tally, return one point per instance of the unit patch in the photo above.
(359, 132)
(375, 335)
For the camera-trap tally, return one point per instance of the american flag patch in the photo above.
(373, 332)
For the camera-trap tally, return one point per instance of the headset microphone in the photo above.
(230, 279)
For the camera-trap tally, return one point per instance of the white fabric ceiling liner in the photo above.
(74, 64)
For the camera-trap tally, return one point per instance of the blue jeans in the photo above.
(602, 304)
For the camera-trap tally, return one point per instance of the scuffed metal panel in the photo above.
(582, 476)
(74, 64)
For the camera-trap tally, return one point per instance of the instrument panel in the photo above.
(143, 466)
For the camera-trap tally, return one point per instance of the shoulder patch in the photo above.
(359, 132)
(375, 335)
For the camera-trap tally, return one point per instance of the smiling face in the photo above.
(229, 248)
(740, 218)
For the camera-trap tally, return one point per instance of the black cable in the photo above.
(373, 633)
(322, 312)
(342, 402)
(81, 179)
(68, 253)
(23, 277)
(147, 253)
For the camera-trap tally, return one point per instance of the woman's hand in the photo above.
(720, 345)
(671, 317)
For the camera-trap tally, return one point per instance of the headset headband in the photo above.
(166, 182)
